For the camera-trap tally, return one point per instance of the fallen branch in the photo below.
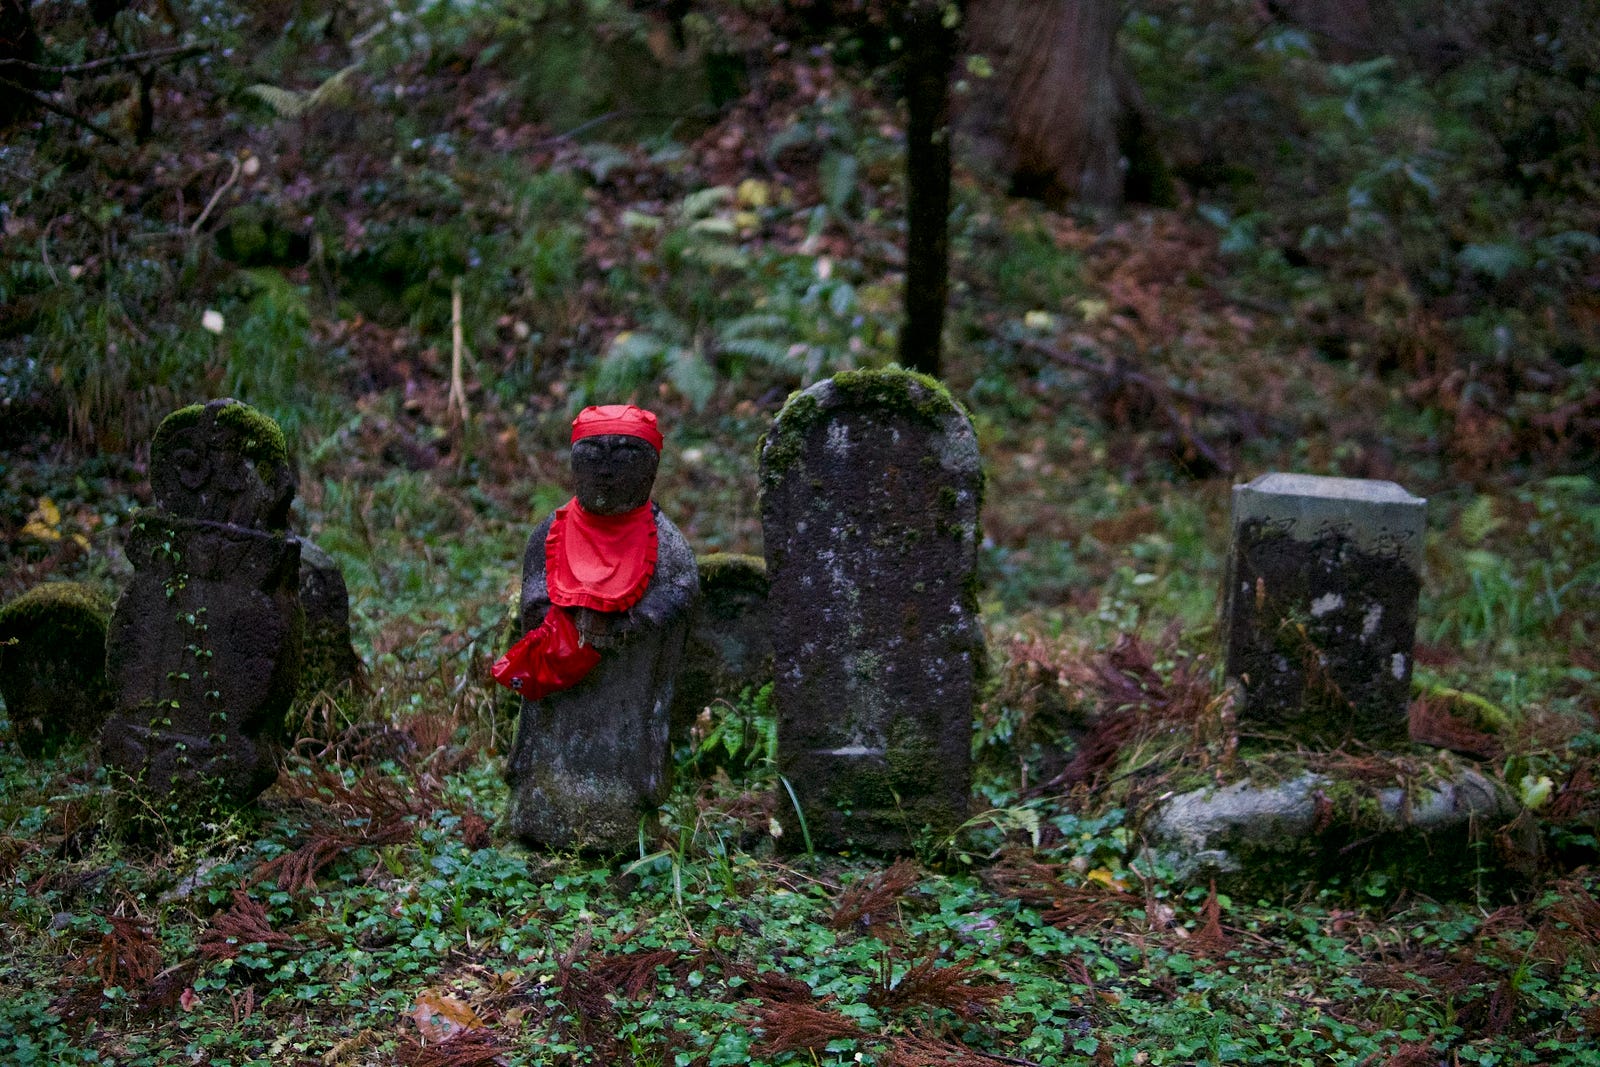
(66, 113)
(1122, 373)
(132, 59)
(216, 196)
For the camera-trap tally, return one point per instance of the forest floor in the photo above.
(1361, 274)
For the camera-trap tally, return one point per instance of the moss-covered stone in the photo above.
(253, 236)
(1292, 824)
(329, 662)
(223, 461)
(1472, 710)
(53, 664)
(871, 483)
(891, 390)
(729, 649)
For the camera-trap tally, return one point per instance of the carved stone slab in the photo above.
(203, 653)
(871, 485)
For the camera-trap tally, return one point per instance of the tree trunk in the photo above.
(1053, 100)
(19, 43)
(930, 53)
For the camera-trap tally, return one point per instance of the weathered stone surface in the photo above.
(329, 660)
(871, 485)
(590, 761)
(729, 648)
(1322, 589)
(1272, 837)
(224, 462)
(204, 648)
(53, 679)
(203, 655)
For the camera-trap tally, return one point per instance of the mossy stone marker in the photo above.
(1323, 581)
(223, 462)
(53, 678)
(204, 647)
(729, 648)
(330, 661)
(871, 485)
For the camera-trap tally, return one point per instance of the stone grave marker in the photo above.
(592, 757)
(329, 661)
(53, 678)
(1323, 580)
(870, 489)
(204, 646)
(729, 648)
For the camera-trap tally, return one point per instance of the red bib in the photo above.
(602, 562)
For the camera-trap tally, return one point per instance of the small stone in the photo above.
(1322, 591)
(53, 679)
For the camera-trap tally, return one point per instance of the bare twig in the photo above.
(458, 389)
(44, 251)
(66, 113)
(582, 127)
(216, 196)
(132, 59)
(1188, 396)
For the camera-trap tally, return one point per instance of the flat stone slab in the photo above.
(1314, 824)
(1323, 581)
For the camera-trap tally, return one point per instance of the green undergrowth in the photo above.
(1378, 271)
(371, 904)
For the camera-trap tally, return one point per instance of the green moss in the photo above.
(732, 569)
(892, 390)
(263, 438)
(1472, 709)
(174, 423)
(69, 611)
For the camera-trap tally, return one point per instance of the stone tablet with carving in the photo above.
(223, 462)
(203, 652)
(1323, 581)
(871, 485)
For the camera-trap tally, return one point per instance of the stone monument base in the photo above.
(1276, 839)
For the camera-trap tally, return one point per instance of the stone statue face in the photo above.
(613, 472)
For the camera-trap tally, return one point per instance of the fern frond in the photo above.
(285, 103)
(754, 325)
(761, 349)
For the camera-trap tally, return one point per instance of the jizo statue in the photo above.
(607, 586)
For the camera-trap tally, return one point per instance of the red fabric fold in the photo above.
(603, 562)
(548, 659)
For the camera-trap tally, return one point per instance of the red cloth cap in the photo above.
(617, 418)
